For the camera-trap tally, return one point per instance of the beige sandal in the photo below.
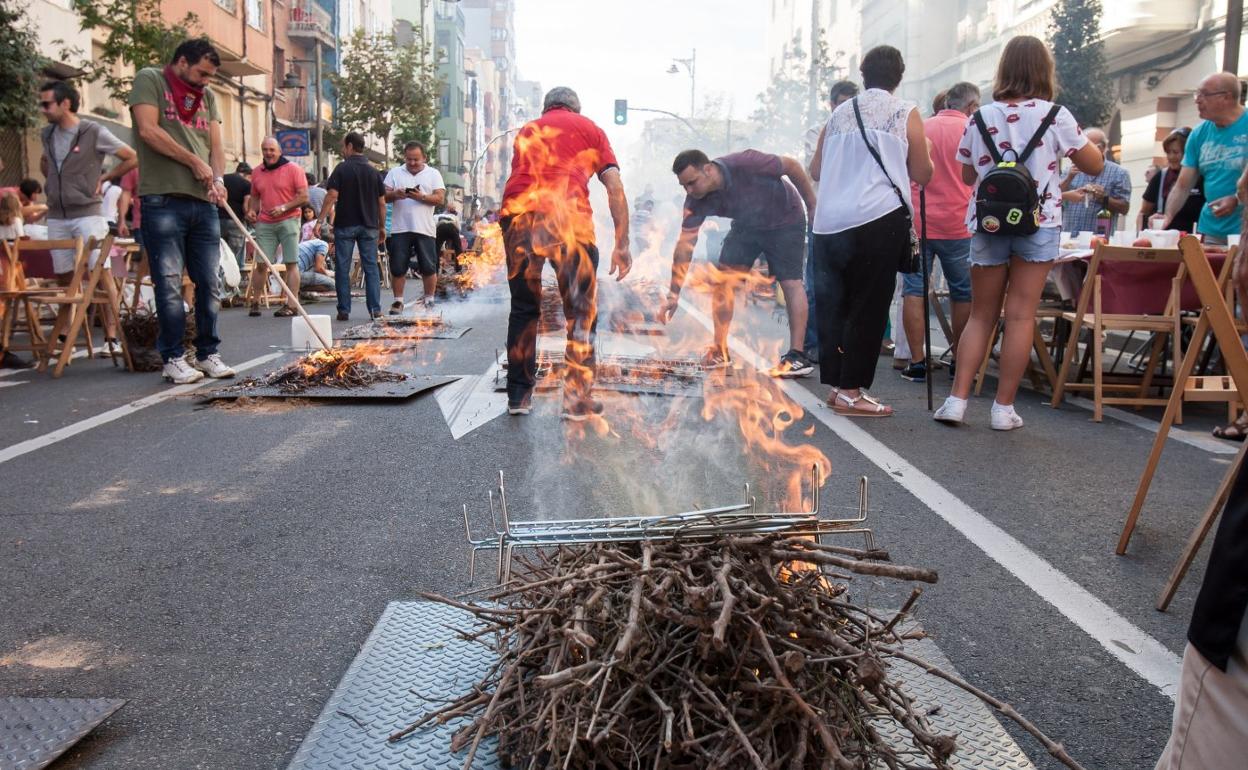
(849, 407)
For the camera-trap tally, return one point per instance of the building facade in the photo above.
(452, 127)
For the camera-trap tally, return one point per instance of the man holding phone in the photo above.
(414, 188)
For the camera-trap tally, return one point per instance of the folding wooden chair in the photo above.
(92, 287)
(1215, 315)
(1041, 371)
(34, 260)
(1122, 311)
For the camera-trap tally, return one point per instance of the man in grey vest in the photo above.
(73, 164)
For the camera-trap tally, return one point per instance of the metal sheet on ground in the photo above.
(381, 391)
(412, 649)
(384, 331)
(35, 731)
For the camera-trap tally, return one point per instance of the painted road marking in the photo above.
(471, 402)
(82, 426)
(1139, 651)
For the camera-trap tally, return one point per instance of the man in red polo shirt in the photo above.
(947, 237)
(546, 216)
(279, 191)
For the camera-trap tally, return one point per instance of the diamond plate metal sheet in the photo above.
(381, 391)
(413, 649)
(35, 731)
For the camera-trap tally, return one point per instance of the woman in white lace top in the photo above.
(871, 149)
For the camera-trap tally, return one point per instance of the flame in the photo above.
(334, 363)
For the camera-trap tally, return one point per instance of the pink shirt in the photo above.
(130, 183)
(947, 195)
(277, 188)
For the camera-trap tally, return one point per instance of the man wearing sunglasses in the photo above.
(73, 164)
(1217, 151)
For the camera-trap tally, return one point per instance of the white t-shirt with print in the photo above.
(411, 216)
(1012, 124)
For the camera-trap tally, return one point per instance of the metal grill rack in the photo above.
(742, 518)
(652, 375)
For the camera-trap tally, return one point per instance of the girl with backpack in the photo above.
(1010, 152)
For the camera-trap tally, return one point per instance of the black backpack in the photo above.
(1007, 201)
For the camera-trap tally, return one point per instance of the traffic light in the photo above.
(621, 111)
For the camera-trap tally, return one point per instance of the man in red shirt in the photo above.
(546, 216)
(279, 191)
(948, 199)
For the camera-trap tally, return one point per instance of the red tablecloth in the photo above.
(1138, 288)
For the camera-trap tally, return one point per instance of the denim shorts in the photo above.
(993, 250)
(955, 263)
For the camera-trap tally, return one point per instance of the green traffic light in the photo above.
(621, 112)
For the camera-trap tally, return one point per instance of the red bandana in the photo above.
(186, 97)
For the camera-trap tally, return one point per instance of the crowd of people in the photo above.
(171, 195)
(979, 185)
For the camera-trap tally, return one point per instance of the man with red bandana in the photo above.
(182, 159)
(546, 216)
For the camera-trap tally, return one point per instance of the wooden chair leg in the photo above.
(1046, 361)
(1159, 443)
(1063, 374)
(1098, 374)
(1201, 531)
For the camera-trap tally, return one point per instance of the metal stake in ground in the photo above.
(290, 295)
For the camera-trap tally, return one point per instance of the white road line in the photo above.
(1191, 438)
(82, 426)
(1139, 651)
(79, 353)
(11, 384)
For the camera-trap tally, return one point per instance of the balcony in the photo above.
(310, 21)
(303, 109)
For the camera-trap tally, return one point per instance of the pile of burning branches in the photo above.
(683, 655)
(343, 368)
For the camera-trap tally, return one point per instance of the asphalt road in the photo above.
(220, 566)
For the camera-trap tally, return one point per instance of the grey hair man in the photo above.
(279, 191)
(1084, 197)
(546, 217)
(947, 198)
(561, 96)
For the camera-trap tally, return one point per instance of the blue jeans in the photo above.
(183, 234)
(346, 239)
(811, 343)
(955, 262)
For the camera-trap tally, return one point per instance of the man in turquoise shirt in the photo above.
(1217, 151)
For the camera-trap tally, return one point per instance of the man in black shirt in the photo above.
(1211, 712)
(357, 202)
(237, 191)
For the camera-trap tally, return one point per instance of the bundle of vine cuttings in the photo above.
(744, 652)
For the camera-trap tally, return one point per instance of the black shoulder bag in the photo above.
(910, 263)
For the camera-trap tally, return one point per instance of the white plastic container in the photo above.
(304, 338)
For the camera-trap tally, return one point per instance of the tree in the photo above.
(136, 36)
(1074, 36)
(383, 86)
(783, 116)
(20, 63)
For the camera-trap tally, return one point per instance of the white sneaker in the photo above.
(214, 367)
(1005, 418)
(951, 412)
(179, 372)
(429, 302)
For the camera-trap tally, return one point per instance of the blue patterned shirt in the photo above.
(1078, 218)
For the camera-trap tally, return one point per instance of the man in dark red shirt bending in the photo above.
(763, 195)
(546, 217)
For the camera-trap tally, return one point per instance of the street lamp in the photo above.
(472, 173)
(691, 66)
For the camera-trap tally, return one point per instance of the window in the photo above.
(255, 14)
(229, 5)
